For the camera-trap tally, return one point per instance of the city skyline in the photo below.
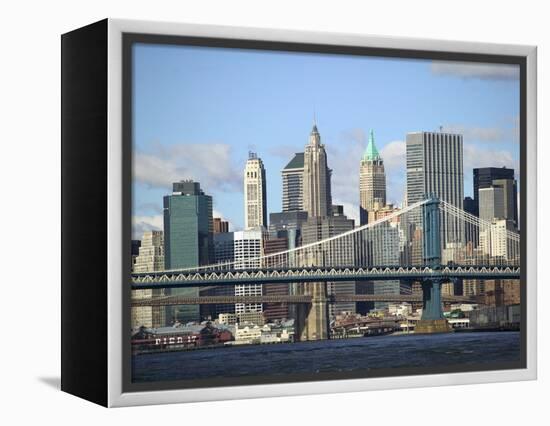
(215, 153)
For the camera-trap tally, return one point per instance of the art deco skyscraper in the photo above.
(316, 182)
(372, 181)
(255, 201)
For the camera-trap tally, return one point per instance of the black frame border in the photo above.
(129, 39)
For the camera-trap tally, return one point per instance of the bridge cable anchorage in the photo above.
(391, 247)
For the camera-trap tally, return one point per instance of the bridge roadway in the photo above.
(209, 277)
(209, 300)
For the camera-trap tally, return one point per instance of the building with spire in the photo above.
(317, 175)
(372, 181)
(255, 200)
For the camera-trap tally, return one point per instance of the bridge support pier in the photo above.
(312, 322)
(432, 320)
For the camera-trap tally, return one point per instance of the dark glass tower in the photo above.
(486, 177)
(188, 231)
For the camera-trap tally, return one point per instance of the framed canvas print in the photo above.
(252, 212)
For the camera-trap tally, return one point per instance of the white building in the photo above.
(493, 240)
(248, 247)
(255, 201)
(227, 319)
(400, 309)
(248, 334)
(491, 203)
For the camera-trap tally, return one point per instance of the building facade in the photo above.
(220, 226)
(255, 200)
(317, 176)
(293, 184)
(486, 176)
(188, 233)
(150, 258)
(274, 311)
(491, 203)
(248, 247)
(372, 181)
(320, 228)
(435, 166)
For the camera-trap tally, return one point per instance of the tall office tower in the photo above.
(293, 184)
(491, 203)
(316, 186)
(255, 201)
(435, 166)
(220, 225)
(372, 181)
(248, 247)
(485, 177)
(188, 230)
(150, 258)
(509, 195)
(320, 228)
(275, 311)
(224, 252)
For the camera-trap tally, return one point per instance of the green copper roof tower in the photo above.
(372, 182)
(371, 153)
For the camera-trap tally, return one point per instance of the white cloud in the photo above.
(140, 224)
(477, 134)
(483, 71)
(232, 226)
(209, 164)
(476, 156)
(394, 156)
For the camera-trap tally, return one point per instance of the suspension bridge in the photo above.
(431, 242)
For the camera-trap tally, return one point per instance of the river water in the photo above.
(368, 353)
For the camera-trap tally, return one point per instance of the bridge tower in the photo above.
(312, 322)
(432, 320)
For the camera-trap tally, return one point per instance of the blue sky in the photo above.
(199, 110)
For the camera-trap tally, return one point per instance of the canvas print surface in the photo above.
(309, 216)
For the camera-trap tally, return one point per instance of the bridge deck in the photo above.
(206, 300)
(178, 279)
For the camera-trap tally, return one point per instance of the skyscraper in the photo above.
(435, 166)
(224, 252)
(248, 247)
(255, 201)
(372, 181)
(293, 184)
(316, 182)
(510, 200)
(485, 177)
(491, 203)
(149, 259)
(188, 230)
(320, 228)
